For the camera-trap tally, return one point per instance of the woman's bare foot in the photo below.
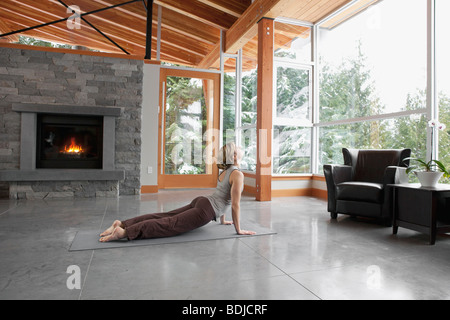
(117, 234)
(110, 230)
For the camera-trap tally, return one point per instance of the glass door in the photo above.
(189, 123)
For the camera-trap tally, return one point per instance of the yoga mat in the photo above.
(88, 240)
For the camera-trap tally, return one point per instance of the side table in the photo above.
(422, 209)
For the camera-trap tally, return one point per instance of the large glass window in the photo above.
(229, 100)
(249, 96)
(292, 114)
(443, 76)
(246, 113)
(292, 120)
(372, 63)
(373, 79)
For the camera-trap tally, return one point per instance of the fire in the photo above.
(73, 147)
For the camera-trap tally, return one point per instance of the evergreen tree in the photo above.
(181, 133)
(348, 92)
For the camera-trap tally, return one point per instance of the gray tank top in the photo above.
(221, 198)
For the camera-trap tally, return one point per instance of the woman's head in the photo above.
(228, 155)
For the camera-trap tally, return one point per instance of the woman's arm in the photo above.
(237, 182)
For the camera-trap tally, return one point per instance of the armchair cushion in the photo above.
(360, 191)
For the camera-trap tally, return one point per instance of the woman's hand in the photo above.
(246, 232)
(225, 222)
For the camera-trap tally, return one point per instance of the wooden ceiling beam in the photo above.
(24, 10)
(181, 57)
(170, 19)
(41, 14)
(4, 28)
(88, 36)
(232, 7)
(127, 10)
(188, 27)
(199, 11)
(312, 11)
(292, 31)
(212, 59)
(63, 38)
(245, 28)
(181, 42)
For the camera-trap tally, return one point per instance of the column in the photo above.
(264, 110)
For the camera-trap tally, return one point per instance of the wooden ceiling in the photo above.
(190, 29)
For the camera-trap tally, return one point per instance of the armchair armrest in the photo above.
(335, 174)
(395, 175)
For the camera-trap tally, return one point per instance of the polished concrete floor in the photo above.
(309, 258)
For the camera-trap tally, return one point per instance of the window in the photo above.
(292, 114)
(292, 120)
(292, 42)
(373, 79)
(229, 100)
(374, 61)
(239, 108)
(292, 150)
(246, 117)
(293, 99)
(443, 77)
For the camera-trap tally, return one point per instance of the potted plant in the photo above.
(429, 172)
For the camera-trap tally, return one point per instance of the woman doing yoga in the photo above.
(199, 212)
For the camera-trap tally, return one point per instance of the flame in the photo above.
(73, 147)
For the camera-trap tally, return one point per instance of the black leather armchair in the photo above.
(359, 187)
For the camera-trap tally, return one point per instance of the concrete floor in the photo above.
(309, 258)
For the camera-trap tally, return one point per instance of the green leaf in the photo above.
(441, 167)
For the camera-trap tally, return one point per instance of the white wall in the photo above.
(150, 103)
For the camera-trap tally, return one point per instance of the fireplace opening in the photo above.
(69, 142)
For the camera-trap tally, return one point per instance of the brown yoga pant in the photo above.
(157, 225)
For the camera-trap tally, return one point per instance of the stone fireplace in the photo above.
(70, 124)
(65, 143)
